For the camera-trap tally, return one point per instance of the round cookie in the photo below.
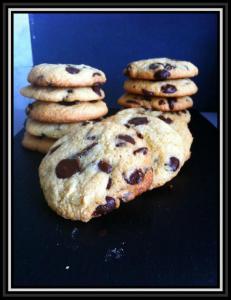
(51, 130)
(51, 94)
(167, 88)
(88, 173)
(166, 144)
(160, 69)
(66, 112)
(34, 143)
(65, 75)
(157, 103)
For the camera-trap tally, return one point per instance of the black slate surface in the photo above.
(168, 237)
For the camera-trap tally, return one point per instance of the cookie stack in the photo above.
(65, 95)
(93, 169)
(160, 84)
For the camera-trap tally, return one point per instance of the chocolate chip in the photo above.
(168, 89)
(67, 167)
(173, 163)
(65, 103)
(109, 183)
(53, 149)
(126, 125)
(155, 66)
(166, 120)
(105, 166)
(139, 135)
(171, 102)
(135, 178)
(169, 67)
(29, 108)
(84, 123)
(132, 101)
(96, 89)
(91, 138)
(126, 138)
(72, 70)
(86, 150)
(96, 74)
(147, 93)
(70, 91)
(161, 102)
(143, 150)
(121, 144)
(106, 208)
(138, 121)
(161, 74)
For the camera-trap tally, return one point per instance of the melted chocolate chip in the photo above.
(121, 144)
(126, 125)
(143, 150)
(126, 138)
(109, 183)
(87, 149)
(161, 74)
(168, 89)
(147, 93)
(169, 67)
(139, 135)
(106, 208)
(96, 89)
(161, 102)
(72, 70)
(105, 166)
(65, 103)
(155, 66)
(135, 178)
(166, 120)
(173, 163)
(96, 74)
(67, 167)
(138, 121)
(53, 149)
(171, 102)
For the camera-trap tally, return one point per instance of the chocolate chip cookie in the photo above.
(66, 112)
(65, 75)
(167, 88)
(156, 103)
(88, 173)
(160, 69)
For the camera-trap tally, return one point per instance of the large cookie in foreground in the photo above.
(160, 69)
(65, 75)
(88, 173)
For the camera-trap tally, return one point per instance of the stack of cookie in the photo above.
(65, 95)
(160, 84)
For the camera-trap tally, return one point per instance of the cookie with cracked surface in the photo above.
(41, 144)
(66, 112)
(55, 131)
(65, 75)
(167, 88)
(88, 173)
(166, 144)
(160, 69)
(156, 103)
(52, 94)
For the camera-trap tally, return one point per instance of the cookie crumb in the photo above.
(67, 267)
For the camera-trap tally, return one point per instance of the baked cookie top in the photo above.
(87, 173)
(167, 88)
(166, 144)
(65, 75)
(52, 94)
(157, 103)
(160, 69)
